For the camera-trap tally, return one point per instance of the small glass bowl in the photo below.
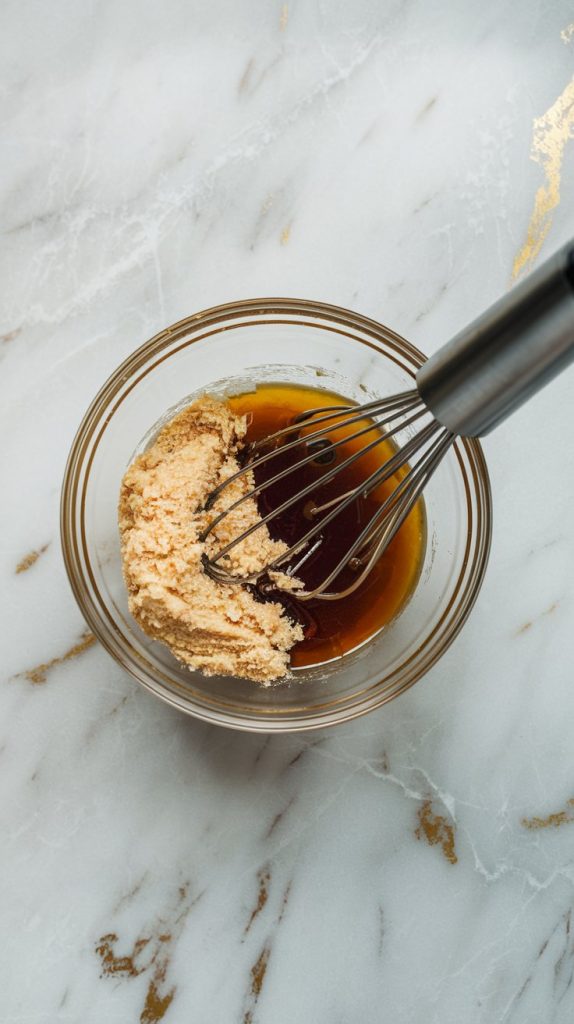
(228, 350)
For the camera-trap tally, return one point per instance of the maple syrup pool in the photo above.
(333, 628)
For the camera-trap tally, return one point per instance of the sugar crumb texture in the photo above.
(212, 627)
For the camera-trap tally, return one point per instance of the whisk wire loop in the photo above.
(387, 417)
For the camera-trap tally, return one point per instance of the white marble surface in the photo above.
(159, 158)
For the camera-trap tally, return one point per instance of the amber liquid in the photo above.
(333, 628)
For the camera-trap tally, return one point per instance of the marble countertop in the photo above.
(406, 159)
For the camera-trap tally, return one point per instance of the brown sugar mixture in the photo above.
(220, 630)
(228, 629)
(333, 628)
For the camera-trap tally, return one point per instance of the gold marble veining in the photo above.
(567, 33)
(264, 879)
(113, 965)
(554, 820)
(285, 901)
(279, 816)
(39, 673)
(258, 972)
(150, 956)
(9, 336)
(30, 559)
(437, 831)
(529, 624)
(284, 18)
(551, 132)
(130, 966)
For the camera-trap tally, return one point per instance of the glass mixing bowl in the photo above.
(227, 350)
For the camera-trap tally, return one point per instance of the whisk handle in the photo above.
(501, 359)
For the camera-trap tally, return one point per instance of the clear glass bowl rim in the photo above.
(196, 323)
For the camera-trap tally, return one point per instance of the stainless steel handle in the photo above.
(500, 360)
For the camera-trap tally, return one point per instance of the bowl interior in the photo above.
(227, 351)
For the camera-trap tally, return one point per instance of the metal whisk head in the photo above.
(465, 389)
(411, 466)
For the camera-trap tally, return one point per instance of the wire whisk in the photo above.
(386, 417)
(466, 389)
